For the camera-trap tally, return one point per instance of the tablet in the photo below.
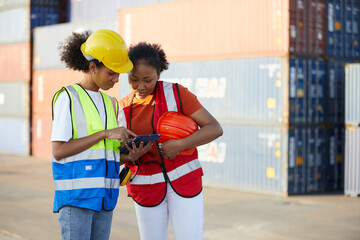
(145, 138)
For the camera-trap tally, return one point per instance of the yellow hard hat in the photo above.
(109, 48)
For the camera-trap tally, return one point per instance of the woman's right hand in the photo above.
(121, 133)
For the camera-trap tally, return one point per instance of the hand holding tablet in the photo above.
(140, 138)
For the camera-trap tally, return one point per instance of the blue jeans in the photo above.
(83, 224)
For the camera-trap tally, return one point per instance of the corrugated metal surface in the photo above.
(335, 40)
(15, 62)
(343, 30)
(316, 28)
(251, 90)
(14, 99)
(41, 136)
(222, 29)
(352, 162)
(47, 82)
(352, 94)
(316, 77)
(15, 25)
(265, 91)
(352, 28)
(308, 27)
(335, 158)
(17, 138)
(247, 158)
(335, 92)
(48, 38)
(94, 9)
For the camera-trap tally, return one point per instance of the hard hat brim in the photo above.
(127, 67)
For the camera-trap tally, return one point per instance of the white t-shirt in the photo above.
(62, 126)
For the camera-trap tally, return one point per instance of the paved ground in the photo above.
(26, 195)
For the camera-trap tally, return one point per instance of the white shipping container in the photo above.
(352, 161)
(352, 94)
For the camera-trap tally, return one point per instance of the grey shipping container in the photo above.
(251, 90)
(48, 38)
(352, 94)
(15, 25)
(14, 136)
(352, 161)
(272, 160)
(14, 99)
(247, 158)
(260, 91)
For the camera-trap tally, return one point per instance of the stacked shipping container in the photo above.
(352, 122)
(17, 19)
(263, 73)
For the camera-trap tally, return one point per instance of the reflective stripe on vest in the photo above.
(93, 168)
(173, 175)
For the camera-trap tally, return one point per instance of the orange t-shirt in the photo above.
(142, 110)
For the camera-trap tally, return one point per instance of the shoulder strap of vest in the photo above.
(178, 95)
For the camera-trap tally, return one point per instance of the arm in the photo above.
(210, 129)
(73, 146)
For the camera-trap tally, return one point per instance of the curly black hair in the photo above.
(150, 54)
(71, 54)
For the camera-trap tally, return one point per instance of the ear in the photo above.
(92, 67)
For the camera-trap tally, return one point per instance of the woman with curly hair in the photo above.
(86, 137)
(166, 182)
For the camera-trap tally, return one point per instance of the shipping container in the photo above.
(41, 136)
(17, 140)
(18, 19)
(210, 29)
(315, 160)
(14, 99)
(272, 160)
(352, 94)
(335, 144)
(251, 90)
(90, 10)
(260, 91)
(48, 57)
(295, 27)
(352, 29)
(15, 62)
(247, 158)
(343, 25)
(308, 27)
(47, 82)
(352, 161)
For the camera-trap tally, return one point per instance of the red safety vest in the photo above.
(184, 172)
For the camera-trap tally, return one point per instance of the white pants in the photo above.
(186, 215)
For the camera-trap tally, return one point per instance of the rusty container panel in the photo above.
(15, 62)
(317, 17)
(14, 99)
(298, 33)
(210, 29)
(41, 136)
(47, 82)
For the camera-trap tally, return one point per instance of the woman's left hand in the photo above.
(170, 149)
(136, 152)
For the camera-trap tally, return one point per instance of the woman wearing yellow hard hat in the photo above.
(167, 181)
(86, 137)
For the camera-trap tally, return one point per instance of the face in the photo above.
(142, 80)
(105, 78)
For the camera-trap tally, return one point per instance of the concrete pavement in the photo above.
(26, 195)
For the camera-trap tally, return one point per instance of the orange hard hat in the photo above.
(175, 125)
